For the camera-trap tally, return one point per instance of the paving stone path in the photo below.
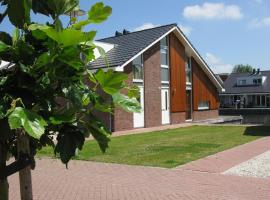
(202, 179)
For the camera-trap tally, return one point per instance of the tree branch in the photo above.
(3, 15)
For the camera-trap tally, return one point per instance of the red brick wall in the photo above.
(178, 117)
(203, 115)
(152, 85)
(105, 118)
(123, 120)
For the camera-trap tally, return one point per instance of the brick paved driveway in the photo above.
(201, 179)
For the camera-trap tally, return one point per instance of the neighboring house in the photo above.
(247, 94)
(176, 84)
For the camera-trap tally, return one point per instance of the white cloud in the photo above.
(217, 65)
(257, 23)
(258, 1)
(186, 29)
(146, 26)
(213, 11)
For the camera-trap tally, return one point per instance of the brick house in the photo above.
(176, 85)
(248, 95)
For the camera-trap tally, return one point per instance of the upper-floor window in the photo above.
(242, 82)
(257, 81)
(138, 68)
(164, 54)
(188, 70)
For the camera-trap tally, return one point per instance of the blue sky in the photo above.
(224, 32)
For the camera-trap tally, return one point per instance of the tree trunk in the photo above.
(4, 189)
(3, 182)
(25, 174)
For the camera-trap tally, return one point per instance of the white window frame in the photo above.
(142, 65)
(204, 107)
(189, 64)
(162, 47)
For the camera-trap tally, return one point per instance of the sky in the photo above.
(225, 33)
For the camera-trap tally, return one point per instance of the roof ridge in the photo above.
(175, 24)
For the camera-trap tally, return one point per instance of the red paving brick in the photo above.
(89, 180)
(224, 160)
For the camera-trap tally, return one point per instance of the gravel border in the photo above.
(258, 167)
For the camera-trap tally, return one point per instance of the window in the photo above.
(188, 70)
(165, 74)
(164, 57)
(263, 100)
(138, 68)
(203, 105)
(164, 60)
(164, 52)
(242, 82)
(257, 81)
(163, 42)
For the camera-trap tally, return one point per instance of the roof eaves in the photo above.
(148, 47)
(201, 59)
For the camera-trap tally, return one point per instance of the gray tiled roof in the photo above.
(127, 46)
(231, 88)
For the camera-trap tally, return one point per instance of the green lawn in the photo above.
(169, 148)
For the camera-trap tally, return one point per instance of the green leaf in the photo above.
(110, 81)
(67, 37)
(75, 63)
(133, 91)
(15, 36)
(6, 38)
(69, 139)
(43, 60)
(68, 116)
(128, 104)
(98, 131)
(53, 7)
(19, 12)
(99, 13)
(91, 76)
(2, 112)
(3, 46)
(30, 121)
(3, 80)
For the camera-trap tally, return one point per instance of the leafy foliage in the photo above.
(242, 68)
(49, 90)
(32, 123)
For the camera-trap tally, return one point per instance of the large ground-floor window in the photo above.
(245, 101)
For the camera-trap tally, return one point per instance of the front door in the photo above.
(138, 118)
(188, 108)
(165, 108)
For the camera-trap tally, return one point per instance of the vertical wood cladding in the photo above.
(178, 75)
(152, 84)
(203, 88)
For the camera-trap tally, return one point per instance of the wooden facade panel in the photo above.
(203, 88)
(177, 74)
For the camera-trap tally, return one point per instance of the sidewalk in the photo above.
(200, 179)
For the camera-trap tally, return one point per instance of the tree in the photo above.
(242, 68)
(48, 91)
